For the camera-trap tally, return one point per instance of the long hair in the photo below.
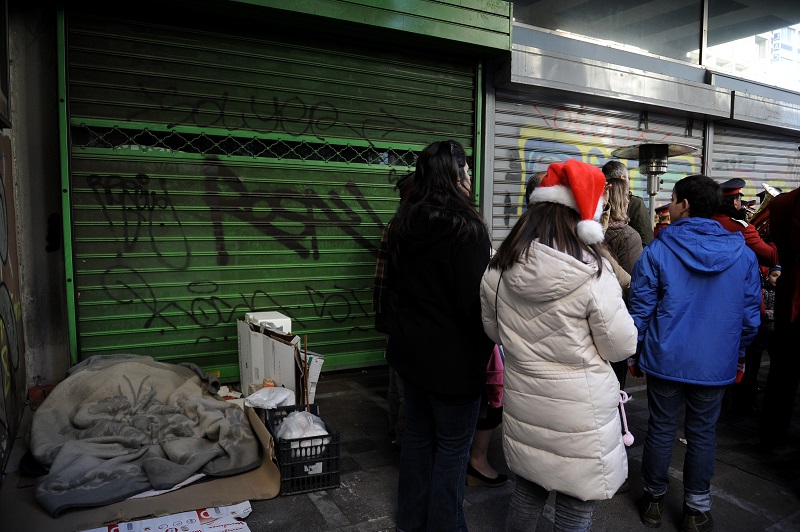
(555, 226)
(440, 179)
(618, 200)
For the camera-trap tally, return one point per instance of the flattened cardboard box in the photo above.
(270, 353)
(267, 353)
(20, 511)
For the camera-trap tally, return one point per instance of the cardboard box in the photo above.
(267, 353)
(20, 511)
(315, 361)
(253, 353)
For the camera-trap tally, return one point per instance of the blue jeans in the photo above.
(527, 504)
(703, 404)
(433, 461)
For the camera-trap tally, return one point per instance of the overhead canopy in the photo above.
(665, 28)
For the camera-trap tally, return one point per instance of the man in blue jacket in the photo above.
(695, 299)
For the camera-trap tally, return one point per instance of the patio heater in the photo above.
(653, 159)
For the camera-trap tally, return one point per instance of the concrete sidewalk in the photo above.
(752, 491)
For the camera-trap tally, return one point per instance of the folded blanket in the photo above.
(121, 425)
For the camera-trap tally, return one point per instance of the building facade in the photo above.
(168, 168)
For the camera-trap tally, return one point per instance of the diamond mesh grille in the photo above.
(117, 138)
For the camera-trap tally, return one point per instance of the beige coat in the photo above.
(560, 325)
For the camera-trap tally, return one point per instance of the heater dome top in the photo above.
(635, 151)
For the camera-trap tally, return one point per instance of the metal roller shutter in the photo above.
(216, 172)
(757, 157)
(531, 131)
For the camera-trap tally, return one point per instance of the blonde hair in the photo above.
(618, 200)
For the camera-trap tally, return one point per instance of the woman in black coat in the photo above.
(439, 248)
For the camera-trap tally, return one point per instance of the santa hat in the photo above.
(578, 186)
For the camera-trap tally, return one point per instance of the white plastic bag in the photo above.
(303, 425)
(270, 397)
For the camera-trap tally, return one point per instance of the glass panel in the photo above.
(669, 29)
(759, 41)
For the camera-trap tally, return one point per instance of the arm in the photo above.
(380, 273)
(751, 317)
(488, 309)
(767, 254)
(469, 262)
(644, 292)
(633, 248)
(623, 277)
(640, 219)
(613, 332)
(379, 305)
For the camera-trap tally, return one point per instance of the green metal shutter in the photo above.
(533, 130)
(215, 173)
(757, 157)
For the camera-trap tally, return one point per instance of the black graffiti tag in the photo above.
(136, 202)
(268, 211)
(339, 306)
(207, 308)
(293, 116)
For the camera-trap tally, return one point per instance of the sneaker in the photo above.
(650, 509)
(696, 521)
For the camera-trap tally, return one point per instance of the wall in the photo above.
(36, 170)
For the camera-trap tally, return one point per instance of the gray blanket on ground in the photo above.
(124, 424)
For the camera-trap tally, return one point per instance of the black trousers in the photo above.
(782, 383)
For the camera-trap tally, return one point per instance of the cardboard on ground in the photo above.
(220, 519)
(20, 511)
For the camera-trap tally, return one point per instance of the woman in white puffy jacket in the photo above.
(551, 299)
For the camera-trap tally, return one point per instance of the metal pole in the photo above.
(653, 185)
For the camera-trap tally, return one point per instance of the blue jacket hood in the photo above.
(702, 244)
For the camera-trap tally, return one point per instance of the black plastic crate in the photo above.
(306, 464)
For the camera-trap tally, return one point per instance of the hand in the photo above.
(633, 367)
(739, 371)
(606, 194)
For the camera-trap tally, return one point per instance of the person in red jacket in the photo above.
(662, 219)
(731, 215)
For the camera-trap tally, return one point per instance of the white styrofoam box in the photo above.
(272, 319)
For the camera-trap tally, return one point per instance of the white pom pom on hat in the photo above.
(579, 186)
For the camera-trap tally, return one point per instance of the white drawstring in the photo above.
(627, 437)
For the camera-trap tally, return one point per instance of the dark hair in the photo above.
(555, 226)
(728, 200)
(703, 193)
(614, 169)
(404, 184)
(436, 194)
(533, 182)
